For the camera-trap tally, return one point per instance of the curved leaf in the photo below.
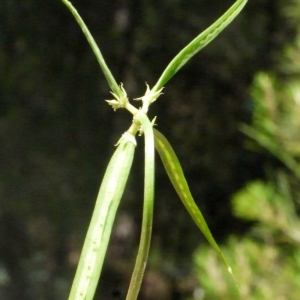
(198, 43)
(175, 173)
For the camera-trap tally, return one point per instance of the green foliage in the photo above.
(263, 271)
(273, 207)
(276, 122)
(267, 260)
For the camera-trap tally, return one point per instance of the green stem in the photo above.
(143, 252)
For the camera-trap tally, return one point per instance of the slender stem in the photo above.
(142, 256)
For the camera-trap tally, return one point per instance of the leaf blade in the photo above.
(198, 43)
(177, 178)
(108, 75)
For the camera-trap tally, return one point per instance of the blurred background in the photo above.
(231, 114)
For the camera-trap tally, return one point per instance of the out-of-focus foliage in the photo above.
(276, 122)
(266, 262)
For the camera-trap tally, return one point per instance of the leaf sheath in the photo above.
(97, 238)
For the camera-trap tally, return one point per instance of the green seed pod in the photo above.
(97, 238)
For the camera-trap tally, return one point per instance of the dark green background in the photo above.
(57, 133)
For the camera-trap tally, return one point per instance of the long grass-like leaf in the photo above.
(108, 75)
(198, 43)
(175, 173)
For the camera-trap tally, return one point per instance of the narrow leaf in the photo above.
(198, 43)
(108, 75)
(175, 173)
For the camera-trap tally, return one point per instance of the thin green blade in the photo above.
(198, 43)
(175, 173)
(108, 75)
(147, 223)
